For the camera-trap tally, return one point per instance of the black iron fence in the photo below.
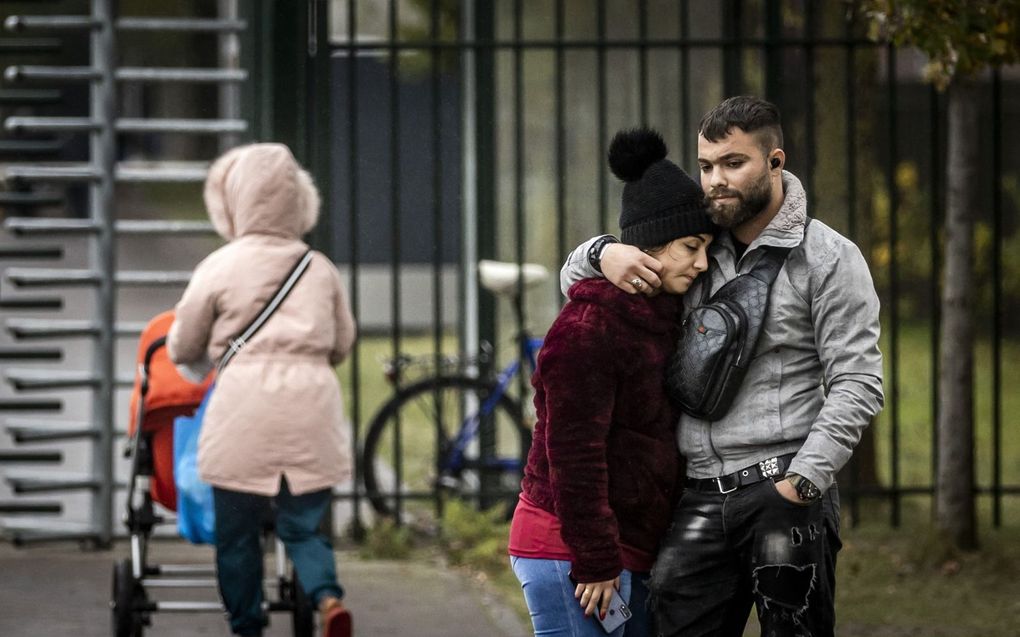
(446, 132)
(474, 130)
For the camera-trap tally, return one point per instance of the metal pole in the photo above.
(103, 257)
(469, 185)
(894, 290)
(229, 58)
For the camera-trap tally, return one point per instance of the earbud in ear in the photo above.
(775, 162)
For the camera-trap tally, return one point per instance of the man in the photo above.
(759, 519)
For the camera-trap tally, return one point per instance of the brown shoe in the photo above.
(336, 620)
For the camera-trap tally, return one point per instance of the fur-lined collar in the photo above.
(656, 314)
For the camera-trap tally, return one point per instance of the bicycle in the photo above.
(455, 434)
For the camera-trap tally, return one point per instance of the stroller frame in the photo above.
(131, 605)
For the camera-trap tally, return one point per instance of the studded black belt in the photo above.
(764, 470)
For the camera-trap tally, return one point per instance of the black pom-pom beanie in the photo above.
(660, 201)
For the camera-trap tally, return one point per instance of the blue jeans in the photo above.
(239, 524)
(556, 612)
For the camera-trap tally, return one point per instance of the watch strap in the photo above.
(597, 248)
(806, 490)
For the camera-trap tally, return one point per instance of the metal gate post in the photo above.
(101, 201)
(484, 108)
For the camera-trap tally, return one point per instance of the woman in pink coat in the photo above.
(273, 433)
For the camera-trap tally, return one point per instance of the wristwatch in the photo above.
(806, 490)
(596, 250)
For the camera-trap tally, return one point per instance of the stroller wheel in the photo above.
(126, 621)
(302, 618)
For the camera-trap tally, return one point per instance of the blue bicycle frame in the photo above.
(454, 461)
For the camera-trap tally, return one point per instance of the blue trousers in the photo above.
(240, 521)
(554, 611)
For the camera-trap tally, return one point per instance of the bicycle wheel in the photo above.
(427, 462)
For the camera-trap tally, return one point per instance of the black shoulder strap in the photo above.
(765, 270)
(260, 319)
(768, 266)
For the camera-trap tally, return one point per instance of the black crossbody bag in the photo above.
(718, 339)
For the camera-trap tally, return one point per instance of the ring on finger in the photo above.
(637, 282)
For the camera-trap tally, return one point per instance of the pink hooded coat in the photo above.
(276, 410)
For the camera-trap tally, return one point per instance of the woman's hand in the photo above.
(630, 269)
(596, 594)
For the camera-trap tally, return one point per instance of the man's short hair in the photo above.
(750, 114)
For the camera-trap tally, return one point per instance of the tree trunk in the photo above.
(954, 499)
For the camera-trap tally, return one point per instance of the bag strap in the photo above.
(260, 319)
(768, 266)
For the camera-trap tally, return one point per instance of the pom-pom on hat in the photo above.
(660, 201)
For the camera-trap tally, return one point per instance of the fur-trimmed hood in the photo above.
(260, 189)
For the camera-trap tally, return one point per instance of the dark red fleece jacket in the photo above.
(603, 456)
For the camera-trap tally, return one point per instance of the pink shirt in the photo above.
(535, 534)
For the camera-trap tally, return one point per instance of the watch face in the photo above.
(807, 490)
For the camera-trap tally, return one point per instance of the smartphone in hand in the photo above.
(616, 615)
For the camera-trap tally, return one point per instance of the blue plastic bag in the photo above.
(196, 518)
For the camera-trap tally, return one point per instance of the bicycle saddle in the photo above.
(501, 278)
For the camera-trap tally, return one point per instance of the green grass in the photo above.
(907, 582)
(914, 414)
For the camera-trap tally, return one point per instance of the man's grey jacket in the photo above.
(816, 379)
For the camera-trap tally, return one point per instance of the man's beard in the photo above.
(748, 204)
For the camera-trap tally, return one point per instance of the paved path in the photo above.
(59, 590)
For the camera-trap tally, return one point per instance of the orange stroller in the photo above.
(155, 404)
(160, 395)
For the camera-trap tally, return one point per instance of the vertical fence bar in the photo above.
(317, 84)
(354, 230)
(935, 215)
(810, 29)
(894, 346)
(437, 214)
(686, 132)
(437, 173)
(997, 233)
(484, 161)
(519, 192)
(103, 151)
(287, 75)
(395, 200)
(603, 116)
(320, 130)
(732, 72)
(561, 142)
(475, 105)
(773, 49)
(850, 70)
(229, 102)
(851, 133)
(642, 9)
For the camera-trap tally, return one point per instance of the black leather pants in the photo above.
(727, 551)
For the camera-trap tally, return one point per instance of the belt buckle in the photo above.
(719, 484)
